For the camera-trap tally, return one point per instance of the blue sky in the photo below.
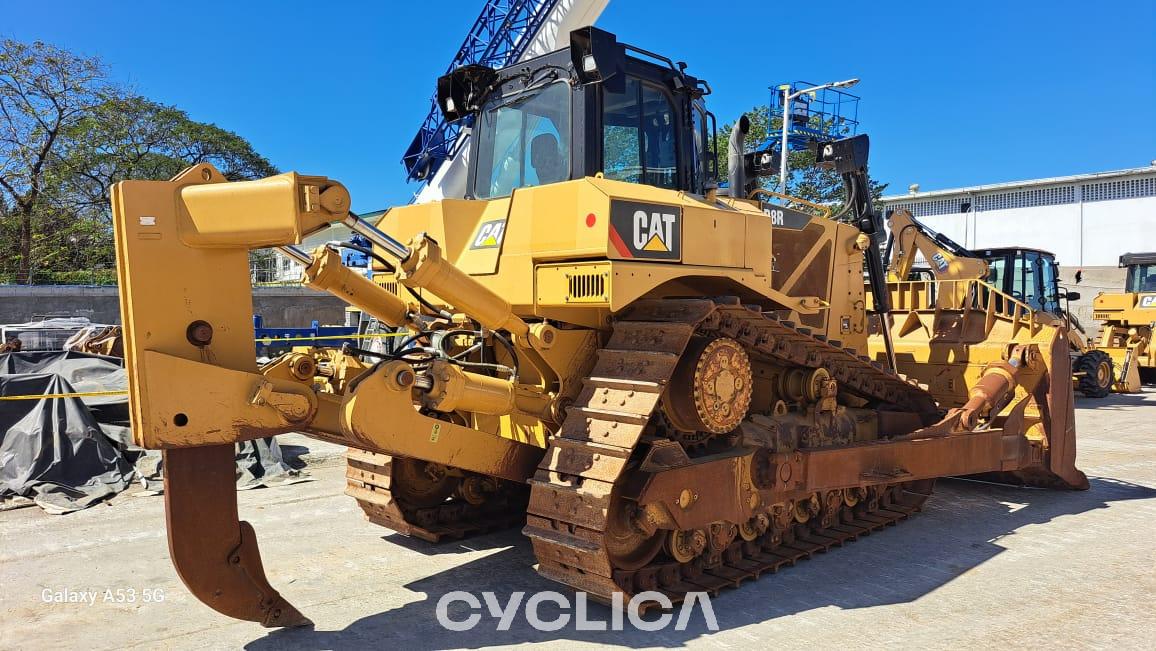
(953, 93)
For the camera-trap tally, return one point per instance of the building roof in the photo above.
(1012, 185)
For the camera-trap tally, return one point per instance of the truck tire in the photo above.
(1099, 375)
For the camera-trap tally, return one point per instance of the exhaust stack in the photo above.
(736, 172)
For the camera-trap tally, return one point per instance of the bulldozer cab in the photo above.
(600, 107)
(1028, 275)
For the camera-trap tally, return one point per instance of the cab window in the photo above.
(1026, 281)
(997, 277)
(639, 136)
(523, 141)
(1141, 278)
(1050, 282)
(995, 272)
(698, 166)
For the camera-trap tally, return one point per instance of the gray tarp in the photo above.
(70, 453)
(53, 450)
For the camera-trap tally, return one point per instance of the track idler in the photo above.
(214, 552)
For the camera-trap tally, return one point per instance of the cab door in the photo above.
(1027, 279)
(1049, 279)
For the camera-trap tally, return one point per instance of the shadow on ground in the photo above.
(1114, 401)
(959, 529)
(499, 540)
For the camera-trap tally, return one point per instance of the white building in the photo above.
(1087, 220)
(279, 269)
(286, 270)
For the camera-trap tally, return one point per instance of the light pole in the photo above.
(787, 97)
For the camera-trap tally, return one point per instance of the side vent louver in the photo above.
(387, 282)
(586, 286)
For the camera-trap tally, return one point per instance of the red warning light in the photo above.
(590, 220)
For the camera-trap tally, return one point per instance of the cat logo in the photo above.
(940, 262)
(1148, 301)
(489, 235)
(646, 230)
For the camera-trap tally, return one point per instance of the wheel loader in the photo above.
(1030, 276)
(1127, 320)
(667, 386)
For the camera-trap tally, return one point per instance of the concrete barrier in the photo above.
(289, 307)
(1093, 281)
(281, 307)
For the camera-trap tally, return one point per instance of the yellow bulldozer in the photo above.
(668, 387)
(1030, 276)
(1128, 319)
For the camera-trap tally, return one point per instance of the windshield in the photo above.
(523, 141)
(1141, 278)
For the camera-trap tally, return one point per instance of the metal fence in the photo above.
(100, 273)
(265, 268)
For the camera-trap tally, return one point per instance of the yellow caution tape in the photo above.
(266, 340)
(88, 394)
(79, 394)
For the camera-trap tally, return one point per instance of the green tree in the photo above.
(807, 180)
(44, 92)
(67, 134)
(130, 137)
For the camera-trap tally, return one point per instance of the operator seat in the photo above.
(546, 158)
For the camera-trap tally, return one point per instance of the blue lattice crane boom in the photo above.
(499, 37)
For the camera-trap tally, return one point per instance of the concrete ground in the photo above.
(983, 566)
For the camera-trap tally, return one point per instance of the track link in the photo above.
(368, 480)
(570, 512)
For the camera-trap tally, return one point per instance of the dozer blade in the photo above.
(1058, 404)
(1056, 468)
(214, 552)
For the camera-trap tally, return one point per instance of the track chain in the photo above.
(368, 479)
(781, 341)
(573, 489)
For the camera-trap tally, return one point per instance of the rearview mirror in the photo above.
(1072, 296)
